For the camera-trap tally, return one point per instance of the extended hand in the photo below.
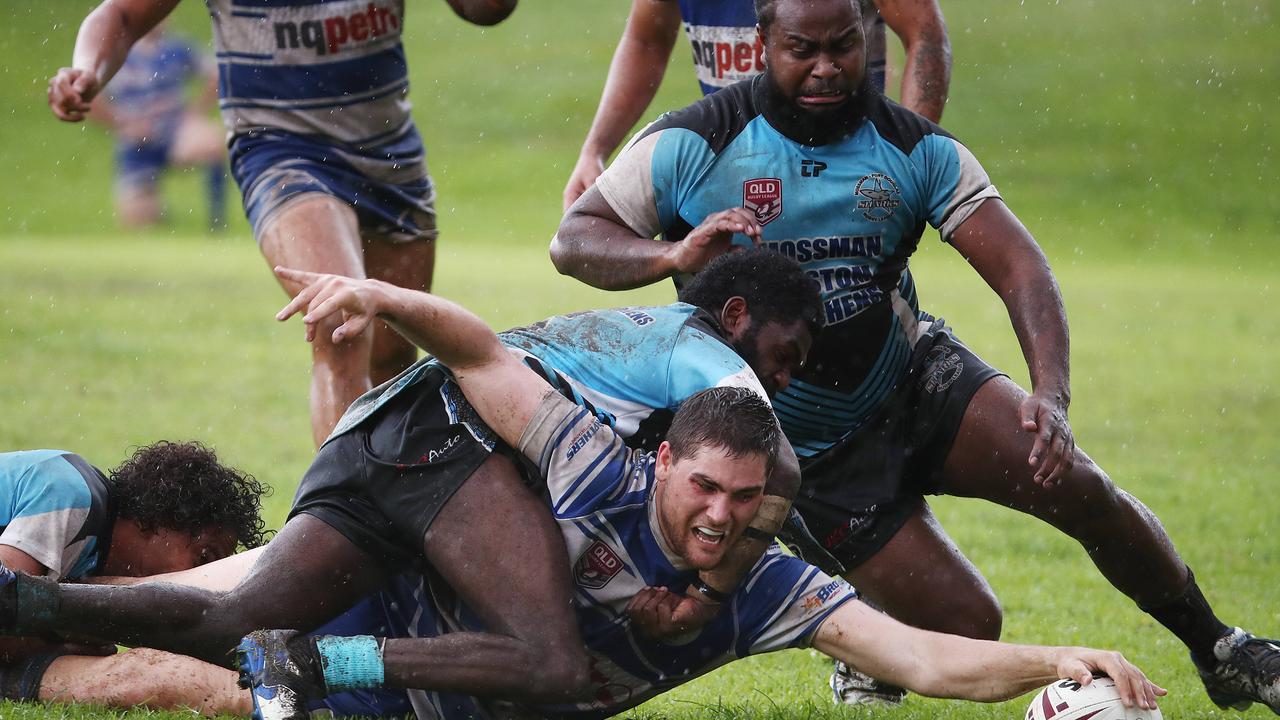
(70, 92)
(323, 296)
(1054, 452)
(1080, 664)
(659, 614)
(713, 237)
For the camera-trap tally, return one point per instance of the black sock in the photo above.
(20, 680)
(1190, 618)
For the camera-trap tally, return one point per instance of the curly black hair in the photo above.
(775, 287)
(182, 486)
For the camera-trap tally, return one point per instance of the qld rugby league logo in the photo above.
(878, 196)
(763, 196)
(597, 566)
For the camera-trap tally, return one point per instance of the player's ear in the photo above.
(735, 316)
(665, 460)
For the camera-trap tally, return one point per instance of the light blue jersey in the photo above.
(850, 212)
(632, 367)
(600, 493)
(54, 507)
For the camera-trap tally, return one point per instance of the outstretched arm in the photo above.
(950, 666)
(634, 76)
(105, 37)
(1006, 256)
(502, 389)
(926, 78)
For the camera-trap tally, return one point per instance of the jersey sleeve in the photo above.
(50, 508)
(954, 182)
(584, 463)
(699, 361)
(783, 602)
(649, 180)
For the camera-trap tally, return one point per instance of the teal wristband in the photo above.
(350, 663)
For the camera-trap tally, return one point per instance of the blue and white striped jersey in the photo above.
(54, 507)
(850, 212)
(631, 366)
(726, 49)
(331, 70)
(151, 86)
(600, 494)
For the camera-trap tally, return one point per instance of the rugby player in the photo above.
(393, 490)
(891, 406)
(331, 168)
(146, 107)
(638, 526)
(169, 507)
(726, 50)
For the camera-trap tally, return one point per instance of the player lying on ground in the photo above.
(638, 525)
(169, 507)
(421, 449)
(891, 406)
(726, 50)
(330, 165)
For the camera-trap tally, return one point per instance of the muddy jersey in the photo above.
(851, 213)
(54, 507)
(331, 70)
(726, 49)
(632, 367)
(601, 497)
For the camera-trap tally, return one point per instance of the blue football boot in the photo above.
(281, 671)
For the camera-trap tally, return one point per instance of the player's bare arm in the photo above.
(1006, 256)
(483, 12)
(635, 74)
(941, 665)
(103, 43)
(594, 245)
(926, 76)
(504, 391)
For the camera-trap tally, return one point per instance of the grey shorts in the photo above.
(857, 495)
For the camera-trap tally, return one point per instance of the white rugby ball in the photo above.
(1099, 700)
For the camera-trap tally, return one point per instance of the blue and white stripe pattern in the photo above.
(54, 507)
(601, 494)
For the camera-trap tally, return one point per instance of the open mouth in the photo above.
(707, 535)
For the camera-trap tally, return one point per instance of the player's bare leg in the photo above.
(148, 678)
(1122, 536)
(138, 206)
(922, 562)
(306, 575)
(320, 233)
(406, 264)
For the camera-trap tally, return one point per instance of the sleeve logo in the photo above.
(763, 197)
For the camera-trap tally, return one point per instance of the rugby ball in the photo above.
(1099, 700)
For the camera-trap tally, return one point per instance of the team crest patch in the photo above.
(878, 196)
(597, 566)
(763, 196)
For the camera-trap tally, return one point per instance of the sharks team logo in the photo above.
(878, 196)
(763, 196)
(597, 566)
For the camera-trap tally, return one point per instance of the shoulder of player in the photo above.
(51, 474)
(717, 118)
(899, 126)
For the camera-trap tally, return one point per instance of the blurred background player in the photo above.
(725, 50)
(156, 127)
(330, 165)
(169, 507)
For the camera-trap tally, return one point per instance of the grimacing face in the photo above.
(815, 54)
(705, 501)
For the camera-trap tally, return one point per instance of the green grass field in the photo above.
(1137, 140)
